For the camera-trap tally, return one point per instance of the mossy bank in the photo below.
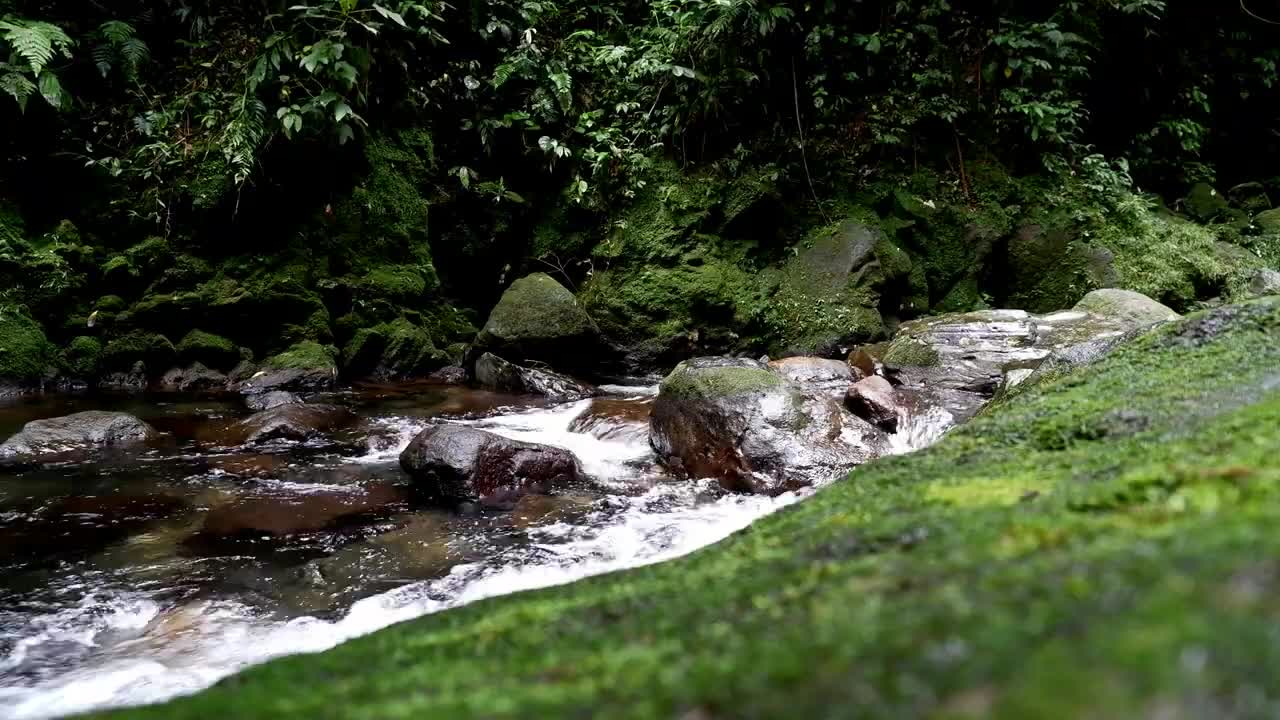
(1102, 545)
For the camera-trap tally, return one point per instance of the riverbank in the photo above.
(1098, 544)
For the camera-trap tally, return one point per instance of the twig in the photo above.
(804, 158)
(1256, 16)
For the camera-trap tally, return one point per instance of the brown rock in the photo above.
(874, 400)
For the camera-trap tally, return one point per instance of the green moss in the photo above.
(152, 349)
(710, 383)
(82, 356)
(110, 304)
(906, 352)
(307, 355)
(534, 309)
(386, 213)
(1205, 204)
(1124, 573)
(402, 283)
(208, 349)
(25, 353)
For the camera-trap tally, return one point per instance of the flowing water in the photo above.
(137, 577)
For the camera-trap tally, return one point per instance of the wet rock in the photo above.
(539, 319)
(1264, 282)
(283, 512)
(269, 400)
(291, 422)
(1125, 308)
(872, 399)
(1204, 203)
(864, 363)
(459, 463)
(812, 370)
(1250, 197)
(745, 425)
(1268, 221)
(494, 373)
(250, 465)
(613, 418)
(451, 375)
(94, 428)
(133, 380)
(306, 366)
(79, 524)
(195, 378)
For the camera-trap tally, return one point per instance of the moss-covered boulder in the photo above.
(82, 357)
(1205, 204)
(25, 353)
(211, 350)
(745, 425)
(153, 350)
(1269, 221)
(828, 294)
(1251, 197)
(397, 349)
(539, 319)
(1103, 546)
(303, 367)
(1129, 309)
(1046, 267)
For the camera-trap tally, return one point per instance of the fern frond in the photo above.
(104, 57)
(116, 31)
(135, 52)
(34, 47)
(19, 86)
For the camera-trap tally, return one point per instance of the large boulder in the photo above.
(1126, 308)
(93, 428)
(753, 430)
(812, 370)
(539, 319)
(25, 353)
(494, 373)
(291, 421)
(457, 463)
(305, 366)
(194, 378)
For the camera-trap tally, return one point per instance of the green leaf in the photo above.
(341, 111)
(346, 72)
(345, 134)
(873, 44)
(51, 89)
(392, 16)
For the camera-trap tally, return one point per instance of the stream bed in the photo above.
(133, 577)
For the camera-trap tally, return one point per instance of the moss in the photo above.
(25, 353)
(82, 357)
(208, 349)
(965, 296)
(1268, 221)
(110, 304)
(1205, 204)
(534, 311)
(710, 383)
(152, 349)
(1110, 575)
(386, 213)
(907, 352)
(307, 355)
(402, 283)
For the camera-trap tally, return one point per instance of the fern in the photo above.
(19, 86)
(120, 47)
(36, 43)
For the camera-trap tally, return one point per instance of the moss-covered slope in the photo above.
(1101, 546)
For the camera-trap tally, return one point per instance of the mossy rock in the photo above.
(706, 382)
(828, 294)
(1128, 308)
(110, 304)
(1204, 203)
(539, 319)
(305, 356)
(210, 350)
(1251, 197)
(1268, 221)
(908, 352)
(397, 349)
(152, 349)
(82, 357)
(400, 283)
(25, 353)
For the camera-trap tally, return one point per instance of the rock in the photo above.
(873, 400)
(304, 367)
(26, 356)
(1269, 221)
(1204, 203)
(811, 370)
(614, 418)
(864, 363)
(397, 349)
(281, 513)
(827, 298)
(1128, 309)
(1047, 266)
(291, 421)
(153, 350)
(134, 380)
(93, 428)
(458, 463)
(273, 399)
(753, 430)
(1264, 282)
(1250, 197)
(538, 319)
(208, 349)
(450, 375)
(494, 373)
(195, 378)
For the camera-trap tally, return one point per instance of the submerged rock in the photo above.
(613, 418)
(93, 428)
(459, 463)
(277, 513)
(269, 400)
(494, 373)
(292, 421)
(753, 430)
(539, 319)
(194, 378)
